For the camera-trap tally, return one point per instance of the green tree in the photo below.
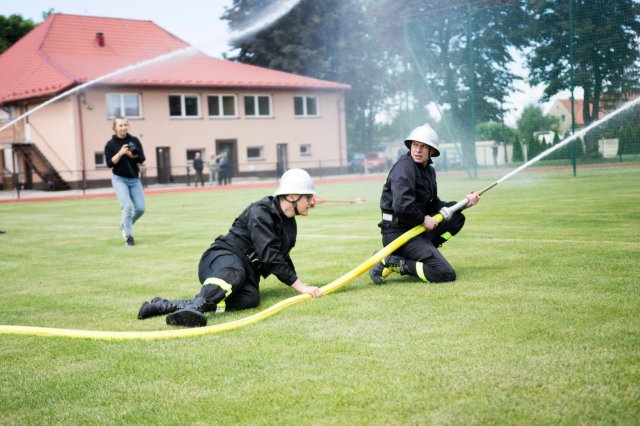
(533, 147)
(625, 140)
(518, 155)
(459, 52)
(624, 128)
(605, 50)
(533, 120)
(563, 153)
(492, 131)
(329, 39)
(12, 29)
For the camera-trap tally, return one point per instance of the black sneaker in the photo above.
(376, 273)
(130, 242)
(394, 263)
(384, 268)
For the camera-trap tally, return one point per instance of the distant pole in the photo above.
(16, 175)
(472, 88)
(573, 119)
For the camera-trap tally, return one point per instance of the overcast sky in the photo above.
(196, 22)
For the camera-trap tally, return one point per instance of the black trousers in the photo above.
(421, 254)
(227, 266)
(199, 177)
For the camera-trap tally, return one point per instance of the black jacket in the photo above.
(263, 236)
(126, 167)
(198, 165)
(409, 193)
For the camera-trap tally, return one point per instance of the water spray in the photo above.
(258, 22)
(167, 56)
(354, 201)
(345, 279)
(571, 138)
(263, 19)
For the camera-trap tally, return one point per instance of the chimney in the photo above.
(100, 39)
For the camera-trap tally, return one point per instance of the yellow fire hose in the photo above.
(217, 328)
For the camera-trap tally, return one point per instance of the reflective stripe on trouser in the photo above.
(226, 287)
(423, 260)
(420, 272)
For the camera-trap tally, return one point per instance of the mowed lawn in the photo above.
(541, 327)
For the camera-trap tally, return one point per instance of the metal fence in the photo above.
(177, 175)
(469, 60)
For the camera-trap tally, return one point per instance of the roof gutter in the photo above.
(81, 130)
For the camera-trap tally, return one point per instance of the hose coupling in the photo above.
(447, 213)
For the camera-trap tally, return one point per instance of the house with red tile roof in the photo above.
(561, 109)
(178, 100)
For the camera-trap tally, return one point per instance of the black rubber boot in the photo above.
(192, 315)
(160, 306)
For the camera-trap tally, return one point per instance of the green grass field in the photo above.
(541, 327)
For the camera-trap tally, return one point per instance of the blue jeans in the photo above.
(131, 196)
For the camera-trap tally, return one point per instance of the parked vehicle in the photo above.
(356, 164)
(375, 162)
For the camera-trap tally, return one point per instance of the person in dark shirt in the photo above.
(198, 166)
(124, 154)
(410, 198)
(224, 176)
(258, 244)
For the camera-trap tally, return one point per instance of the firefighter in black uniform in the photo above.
(258, 244)
(410, 198)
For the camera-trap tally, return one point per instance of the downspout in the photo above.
(81, 125)
(339, 102)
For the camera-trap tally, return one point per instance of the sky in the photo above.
(198, 23)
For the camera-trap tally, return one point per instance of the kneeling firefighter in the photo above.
(410, 198)
(258, 244)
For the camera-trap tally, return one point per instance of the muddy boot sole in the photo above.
(187, 318)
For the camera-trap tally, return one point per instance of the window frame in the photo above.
(305, 106)
(104, 160)
(122, 108)
(305, 152)
(256, 106)
(260, 149)
(221, 108)
(183, 97)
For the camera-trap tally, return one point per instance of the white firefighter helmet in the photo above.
(295, 181)
(426, 135)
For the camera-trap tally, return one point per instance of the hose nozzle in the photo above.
(447, 212)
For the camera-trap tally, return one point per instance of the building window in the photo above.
(254, 153)
(124, 104)
(305, 106)
(305, 149)
(184, 105)
(191, 155)
(100, 160)
(222, 105)
(257, 106)
(562, 118)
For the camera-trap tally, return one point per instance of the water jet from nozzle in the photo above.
(571, 138)
(262, 20)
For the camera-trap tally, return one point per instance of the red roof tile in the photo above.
(63, 52)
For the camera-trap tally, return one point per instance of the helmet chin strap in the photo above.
(294, 203)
